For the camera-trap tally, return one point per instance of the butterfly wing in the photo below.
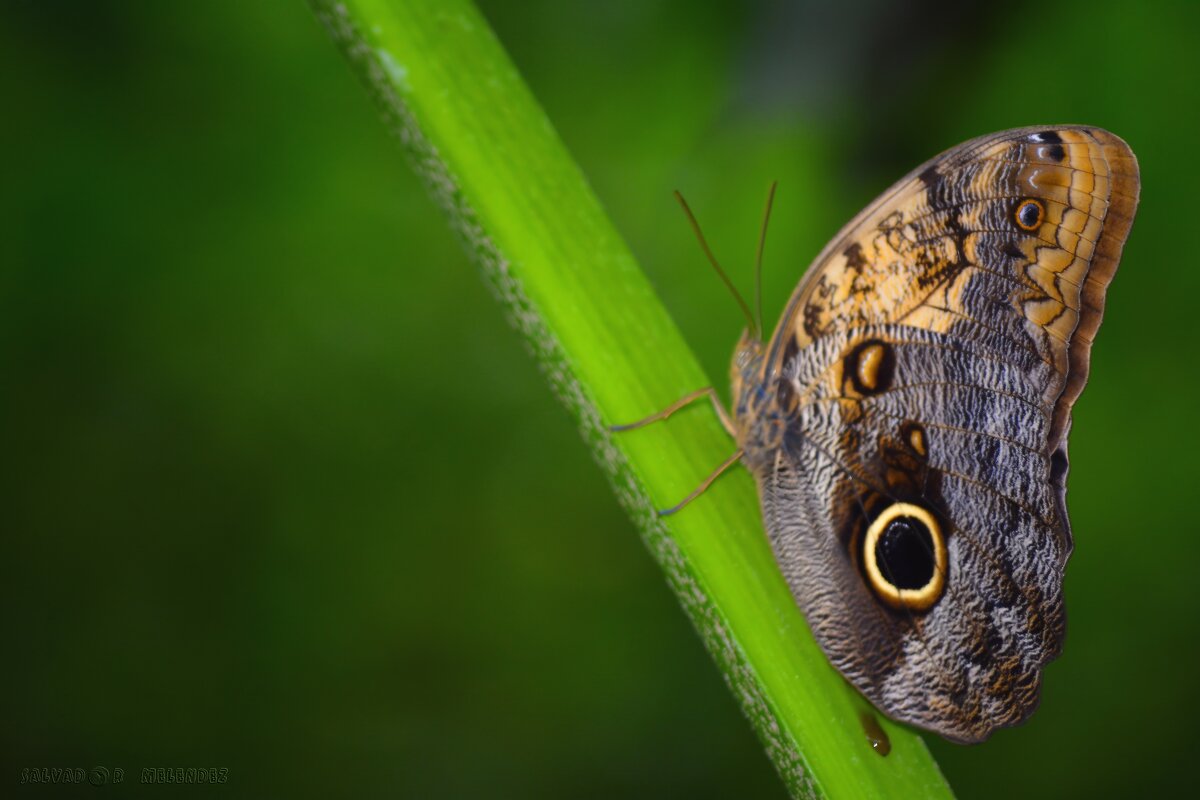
(924, 373)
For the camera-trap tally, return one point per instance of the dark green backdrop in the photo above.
(282, 493)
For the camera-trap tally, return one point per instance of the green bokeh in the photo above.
(284, 495)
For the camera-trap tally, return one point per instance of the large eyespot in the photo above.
(1029, 214)
(904, 553)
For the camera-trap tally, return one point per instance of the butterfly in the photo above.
(907, 423)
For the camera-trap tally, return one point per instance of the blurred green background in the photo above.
(283, 494)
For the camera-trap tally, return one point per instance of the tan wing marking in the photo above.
(911, 257)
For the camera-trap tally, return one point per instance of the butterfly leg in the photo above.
(699, 490)
(686, 400)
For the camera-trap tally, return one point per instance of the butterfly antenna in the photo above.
(713, 260)
(758, 258)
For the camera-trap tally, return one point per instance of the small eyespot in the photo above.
(869, 367)
(904, 555)
(870, 358)
(1046, 137)
(914, 435)
(1029, 214)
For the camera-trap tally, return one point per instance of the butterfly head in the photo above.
(744, 372)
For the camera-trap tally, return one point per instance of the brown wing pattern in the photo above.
(909, 256)
(928, 361)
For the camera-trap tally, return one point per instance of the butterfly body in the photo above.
(907, 423)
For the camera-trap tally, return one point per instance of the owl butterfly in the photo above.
(907, 423)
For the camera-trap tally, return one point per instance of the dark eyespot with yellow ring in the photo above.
(904, 557)
(1029, 214)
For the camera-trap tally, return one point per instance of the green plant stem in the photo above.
(493, 162)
